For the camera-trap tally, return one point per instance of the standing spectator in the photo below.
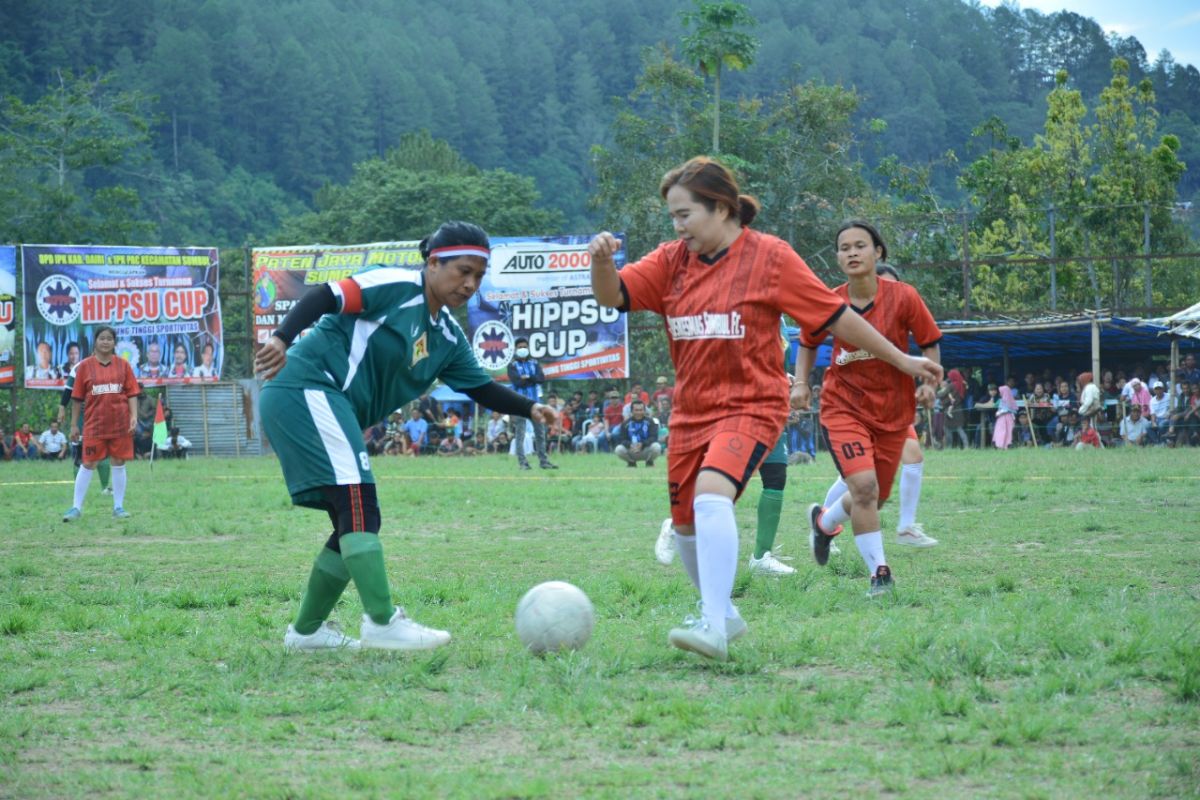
(431, 409)
(106, 381)
(954, 416)
(989, 402)
(662, 389)
(637, 438)
(24, 444)
(1160, 414)
(417, 429)
(1135, 429)
(1188, 371)
(1006, 412)
(1090, 402)
(52, 443)
(1063, 402)
(5, 446)
(526, 376)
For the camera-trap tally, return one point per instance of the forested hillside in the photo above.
(250, 108)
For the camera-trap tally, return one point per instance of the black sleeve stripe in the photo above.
(936, 341)
(836, 316)
(624, 307)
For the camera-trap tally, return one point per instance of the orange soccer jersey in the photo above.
(861, 386)
(722, 321)
(105, 390)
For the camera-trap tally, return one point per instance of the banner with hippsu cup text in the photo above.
(162, 301)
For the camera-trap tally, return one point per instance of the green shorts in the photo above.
(778, 454)
(317, 438)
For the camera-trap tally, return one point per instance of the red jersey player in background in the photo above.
(107, 383)
(721, 288)
(866, 407)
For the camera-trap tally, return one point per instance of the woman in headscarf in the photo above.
(1006, 414)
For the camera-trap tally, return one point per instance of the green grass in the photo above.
(1047, 648)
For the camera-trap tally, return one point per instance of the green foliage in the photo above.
(413, 189)
(51, 148)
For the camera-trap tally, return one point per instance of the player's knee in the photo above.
(774, 476)
(864, 491)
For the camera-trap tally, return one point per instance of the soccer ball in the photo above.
(554, 616)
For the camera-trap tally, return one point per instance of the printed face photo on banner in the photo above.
(159, 299)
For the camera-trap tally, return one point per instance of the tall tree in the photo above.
(59, 158)
(717, 43)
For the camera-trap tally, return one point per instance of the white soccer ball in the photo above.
(554, 616)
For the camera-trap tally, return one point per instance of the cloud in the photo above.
(1187, 19)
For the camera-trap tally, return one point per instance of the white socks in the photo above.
(835, 514)
(118, 486)
(686, 547)
(835, 492)
(910, 493)
(870, 545)
(83, 479)
(716, 555)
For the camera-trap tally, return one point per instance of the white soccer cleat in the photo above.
(327, 637)
(664, 548)
(400, 633)
(914, 536)
(697, 637)
(769, 565)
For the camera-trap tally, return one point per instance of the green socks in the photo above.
(326, 583)
(362, 553)
(770, 503)
(104, 469)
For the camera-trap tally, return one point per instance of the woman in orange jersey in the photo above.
(867, 408)
(106, 391)
(721, 288)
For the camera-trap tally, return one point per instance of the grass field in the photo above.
(1047, 648)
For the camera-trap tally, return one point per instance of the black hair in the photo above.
(520, 339)
(450, 234)
(876, 239)
(884, 268)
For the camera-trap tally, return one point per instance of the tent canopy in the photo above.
(444, 394)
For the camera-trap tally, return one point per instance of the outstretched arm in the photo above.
(857, 331)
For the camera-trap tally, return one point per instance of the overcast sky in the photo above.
(1157, 24)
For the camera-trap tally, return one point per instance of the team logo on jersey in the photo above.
(845, 356)
(58, 300)
(493, 344)
(707, 326)
(420, 349)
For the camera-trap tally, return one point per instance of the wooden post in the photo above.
(204, 408)
(1095, 347)
(237, 442)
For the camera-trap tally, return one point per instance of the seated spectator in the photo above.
(375, 438)
(662, 389)
(1160, 414)
(433, 439)
(454, 422)
(496, 426)
(1040, 407)
(613, 411)
(417, 429)
(637, 438)
(1089, 437)
(1188, 371)
(450, 445)
(1063, 403)
(53, 443)
(24, 446)
(176, 446)
(1066, 433)
(1135, 429)
(558, 436)
(475, 445)
(1136, 392)
(1186, 418)
(636, 393)
(500, 444)
(594, 436)
(5, 446)
(429, 409)
(1022, 434)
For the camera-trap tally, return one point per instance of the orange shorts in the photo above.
(729, 452)
(856, 448)
(120, 448)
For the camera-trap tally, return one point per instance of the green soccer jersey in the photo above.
(384, 350)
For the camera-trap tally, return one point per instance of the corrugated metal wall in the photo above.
(220, 419)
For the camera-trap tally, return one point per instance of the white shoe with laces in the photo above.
(769, 565)
(400, 633)
(327, 637)
(697, 637)
(914, 536)
(664, 547)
